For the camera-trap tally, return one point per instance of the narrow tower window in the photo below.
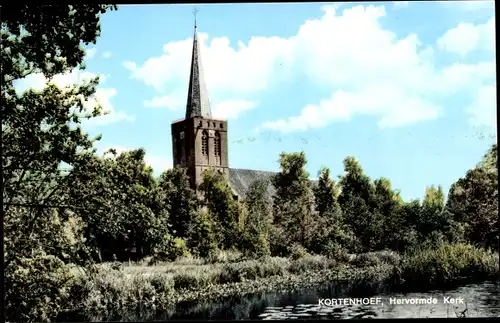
(204, 143)
(217, 144)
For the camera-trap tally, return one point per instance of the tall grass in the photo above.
(448, 264)
(161, 287)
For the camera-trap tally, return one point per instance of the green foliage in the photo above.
(297, 251)
(170, 250)
(376, 259)
(357, 199)
(258, 220)
(180, 200)
(37, 288)
(326, 194)
(334, 250)
(473, 201)
(448, 263)
(202, 240)
(225, 211)
(294, 211)
(388, 209)
(120, 202)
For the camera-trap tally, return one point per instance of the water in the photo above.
(480, 300)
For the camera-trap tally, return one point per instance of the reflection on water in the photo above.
(480, 300)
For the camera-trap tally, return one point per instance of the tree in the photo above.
(432, 221)
(258, 220)
(180, 200)
(326, 193)
(39, 133)
(357, 202)
(388, 208)
(294, 209)
(473, 201)
(223, 208)
(121, 204)
(202, 240)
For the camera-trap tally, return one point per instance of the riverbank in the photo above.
(110, 291)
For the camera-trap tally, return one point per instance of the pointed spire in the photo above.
(198, 104)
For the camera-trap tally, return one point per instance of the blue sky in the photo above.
(406, 88)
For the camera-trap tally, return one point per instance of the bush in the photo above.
(336, 252)
(196, 278)
(376, 258)
(297, 251)
(223, 256)
(37, 288)
(253, 269)
(310, 263)
(171, 250)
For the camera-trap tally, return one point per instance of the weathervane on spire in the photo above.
(194, 14)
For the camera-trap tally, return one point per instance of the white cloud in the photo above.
(107, 54)
(400, 4)
(385, 102)
(102, 96)
(483, 108)
(244, 70)
(38, 81)
(232, 109)
(369, 70)
(229, 72)
(468, 37)
(171, 102)
(374, 73)
(90, 53)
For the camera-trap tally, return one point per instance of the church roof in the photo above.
(241, 179)
(198, 104)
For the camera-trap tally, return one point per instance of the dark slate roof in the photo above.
(241, 179)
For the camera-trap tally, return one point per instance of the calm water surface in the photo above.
(480, 300)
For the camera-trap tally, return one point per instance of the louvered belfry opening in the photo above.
(204, 143)
(217, 146)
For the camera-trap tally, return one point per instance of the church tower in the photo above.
(199, 141)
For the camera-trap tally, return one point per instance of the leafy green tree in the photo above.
(473, 201)
(258, 220)
(432, 221)
(202, 239)
(38, 135)
(411, 215)
(180, 200)
(294, 210)
(388, 208)
(121, 204)
(332, 232)
(224, 209)
(326, 193)
(357, 201)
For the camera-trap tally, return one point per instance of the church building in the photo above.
(200, 141)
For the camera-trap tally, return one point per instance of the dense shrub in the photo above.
(37, 288)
